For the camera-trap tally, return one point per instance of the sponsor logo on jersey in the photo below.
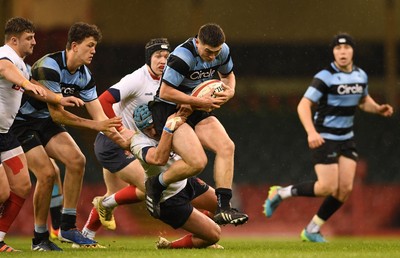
(17, 88)
(345, 89)
(197, 75)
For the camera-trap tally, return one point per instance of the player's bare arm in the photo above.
(229, 85)
(305, 114)
(368, 104)
(171, 94)
(62, 116)
(159, 155)
(96, 112)
(11, 73)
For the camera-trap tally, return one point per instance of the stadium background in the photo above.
(277, 47)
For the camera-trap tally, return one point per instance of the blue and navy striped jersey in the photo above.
(337, 94)
(51, 71)
(185, 69)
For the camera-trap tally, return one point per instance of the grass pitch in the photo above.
(248, 247)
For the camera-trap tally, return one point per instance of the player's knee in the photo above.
(226, 149)
(215, 235)
(23, 188)
(4, 195)
(77, 161)
(327, 189)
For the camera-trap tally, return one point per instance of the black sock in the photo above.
(67, 221)
(55, 214)
(38, 237)
(304, 189)
(224, 196)
(329, 207)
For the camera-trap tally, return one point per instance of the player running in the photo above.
(337, 91)
(198, 59)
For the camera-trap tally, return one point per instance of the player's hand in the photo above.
(315, 140)
(385, 110)
(184, 111)
(36, 89)
(127, 134)
(225, 95)
(207, 103)
(173, 123)
(108, 125)
(71, 102)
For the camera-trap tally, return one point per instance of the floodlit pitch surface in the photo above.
(246, 247)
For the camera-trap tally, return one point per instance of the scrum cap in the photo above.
(142, 117)
(343, 38)
(154, 45)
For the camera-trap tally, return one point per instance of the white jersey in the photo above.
(135, 89)
(11, 95)
(140, 142)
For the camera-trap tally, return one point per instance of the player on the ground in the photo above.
(197, 60)
(123, 174)
(15, 80)
(337, 91)
(176, 209)
(39, 127)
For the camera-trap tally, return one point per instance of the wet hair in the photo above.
(16, 26)
(343, 38)
(211, 34)
(154, 45)
(79, 31)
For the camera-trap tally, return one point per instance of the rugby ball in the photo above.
(206, 87)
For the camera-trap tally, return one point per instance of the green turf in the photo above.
(144, 247)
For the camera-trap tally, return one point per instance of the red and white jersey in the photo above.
(135, 89)
(10, 94)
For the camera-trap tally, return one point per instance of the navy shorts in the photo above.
(176, 210)
(8, 141)
(330, 151)
(161, 111)
(35, 132)
(110, 155)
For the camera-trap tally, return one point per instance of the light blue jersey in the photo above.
(185, 69)
(51, 71)
(337, 94)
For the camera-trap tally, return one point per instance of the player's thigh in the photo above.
(62, 147)
(347, 171)
(206, 201)
(328, 178)
(133, 174)
(113, 182)
(213, 135)
(40, 164)
(186, 143)
(202, 227)
(16, 169)
(4, 186)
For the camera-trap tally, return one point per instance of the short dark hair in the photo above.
(79, 31)
(211, 34)
(16, 26)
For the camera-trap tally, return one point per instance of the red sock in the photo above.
(93, 223)
(126, 195)
(11, 209)
(184, 242)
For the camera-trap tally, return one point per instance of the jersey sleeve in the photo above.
(226, 60)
